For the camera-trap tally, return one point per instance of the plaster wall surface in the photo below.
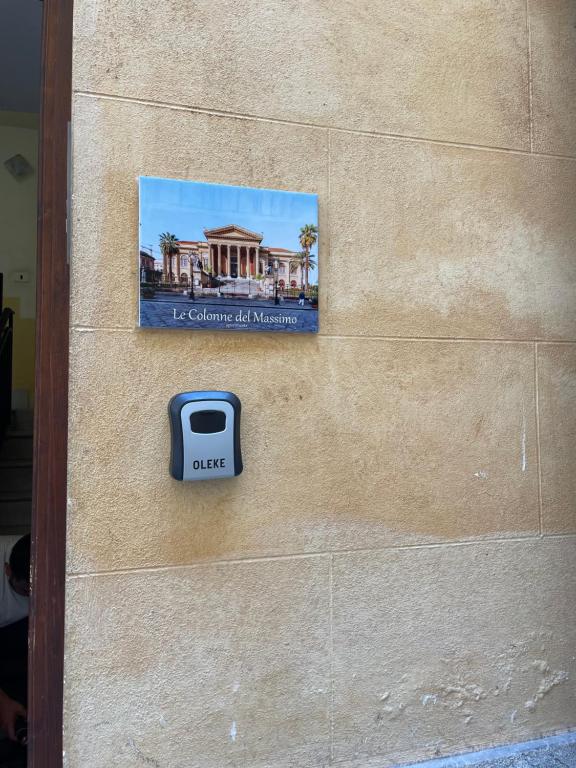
(392, 576)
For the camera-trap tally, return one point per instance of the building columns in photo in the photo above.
(249, 261)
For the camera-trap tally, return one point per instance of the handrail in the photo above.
(6, 344)
(6, 318)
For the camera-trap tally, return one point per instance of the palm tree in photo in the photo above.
(308, 237)
(170, 246)
(297, 262)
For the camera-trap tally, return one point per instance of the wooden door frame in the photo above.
(46, 650)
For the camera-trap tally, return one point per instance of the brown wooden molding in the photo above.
(45, 702)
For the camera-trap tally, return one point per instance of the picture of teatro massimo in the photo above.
(229, 253)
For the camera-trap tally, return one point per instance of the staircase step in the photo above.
(7, 497)
(15, 510)
(14, 530)
(22, 421)
(15, 475)
(11, 461)
(17, 446)
(18, 433)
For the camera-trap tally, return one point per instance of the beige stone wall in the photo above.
(393, 576)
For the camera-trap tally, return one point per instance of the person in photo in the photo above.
(14, 606)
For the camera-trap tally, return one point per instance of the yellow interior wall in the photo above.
(19, 135)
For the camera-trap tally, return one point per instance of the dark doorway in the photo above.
(20, 101)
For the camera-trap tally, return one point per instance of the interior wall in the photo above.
(392, 576)
(18, 216)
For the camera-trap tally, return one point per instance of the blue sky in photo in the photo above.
(186, 208)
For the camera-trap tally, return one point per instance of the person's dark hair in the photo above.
(20, 559)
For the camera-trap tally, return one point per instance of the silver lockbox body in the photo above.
(205, 428)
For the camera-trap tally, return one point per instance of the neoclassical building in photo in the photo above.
(232, 252)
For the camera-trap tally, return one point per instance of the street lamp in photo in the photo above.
(275, 265)
(198, 262)
(191, 291)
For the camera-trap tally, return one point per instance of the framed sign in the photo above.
(217, 257)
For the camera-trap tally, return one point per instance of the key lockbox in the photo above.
(205, 428)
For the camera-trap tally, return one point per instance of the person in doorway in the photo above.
(301, 298)
(14, 600)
